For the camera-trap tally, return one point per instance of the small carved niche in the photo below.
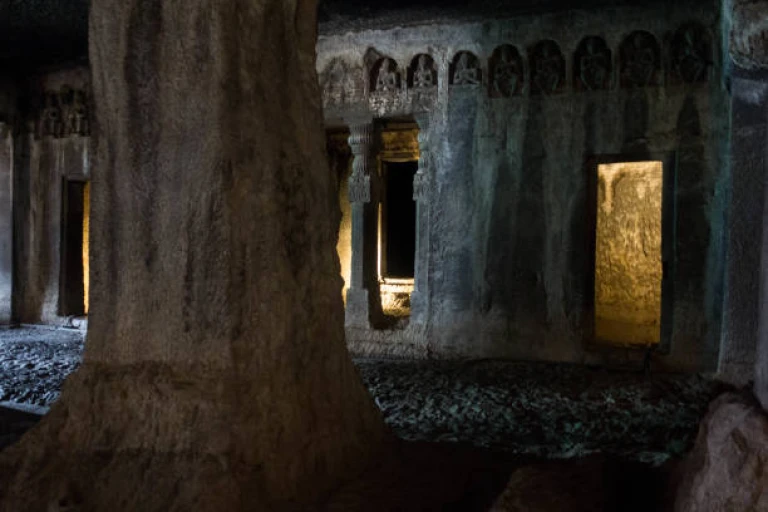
(691, 55)
(506, 72)
(465, 69)
(422, 73)
(51, 123)
(547, 68)
(337, 82)
(640, 55)
(592, 65)
(385, 77)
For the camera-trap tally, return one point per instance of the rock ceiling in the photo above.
(46, 31)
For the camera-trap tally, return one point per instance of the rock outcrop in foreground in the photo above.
(728, 468)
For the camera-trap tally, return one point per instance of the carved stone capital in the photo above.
(749, 34)
(360, 141)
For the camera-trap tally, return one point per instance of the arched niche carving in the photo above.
(506, 72)
(465, 69)
(690, 54)
(340, 82)
(640, 56)
(547, 68)
(422, 73)
(592, 65)
(385, 76)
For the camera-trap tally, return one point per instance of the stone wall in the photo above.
(518, 111)
(51, 147)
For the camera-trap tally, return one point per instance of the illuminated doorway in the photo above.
(628, 254)
(398, 162)
(74, 283)
(397, 237)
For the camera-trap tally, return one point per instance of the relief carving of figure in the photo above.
(50, 119)
(640, 61)
(506, 73)
(692, 64)
(595, 66)
(548, 70)
(466, 72)
(337, 83)
(77, 117)
(423, 76)
(386, 81)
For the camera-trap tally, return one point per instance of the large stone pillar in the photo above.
(6, 222)
(215, 375)
(748, 45)
(362, 295)
(746, 157)
(421, 194)
(747, 170)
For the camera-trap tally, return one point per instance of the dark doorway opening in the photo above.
(74, 249)
(400, 219)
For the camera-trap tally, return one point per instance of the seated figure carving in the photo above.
(595, 66)
(423, 76)
(506, 74)
(51, 116)
(387, 77)
(640, 61)
(466, 73)
(548, 70)
(691, 63)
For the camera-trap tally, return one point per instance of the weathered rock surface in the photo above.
(215, 375)
(749, 33)
(728, 468)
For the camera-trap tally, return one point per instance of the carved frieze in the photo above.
(691, 55)
(465, 70)
(640, 60)
(64, 113)
(592, 65)
(506, 75)
(547, 68)
(422, 74)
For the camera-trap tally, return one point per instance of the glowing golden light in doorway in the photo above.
(628, 259)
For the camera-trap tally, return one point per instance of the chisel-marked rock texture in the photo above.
(728, 468)
(215, 375)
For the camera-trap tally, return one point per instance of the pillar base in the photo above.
(356, 313)
(418, 308)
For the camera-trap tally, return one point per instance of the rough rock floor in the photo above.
(537, 409)
(472, 428)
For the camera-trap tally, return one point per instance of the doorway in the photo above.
(397, 236)
(629, 255)
(74, 284)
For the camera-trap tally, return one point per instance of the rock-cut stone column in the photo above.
(6, 222)
(215, 374)
(421, 187)
(362, 291)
